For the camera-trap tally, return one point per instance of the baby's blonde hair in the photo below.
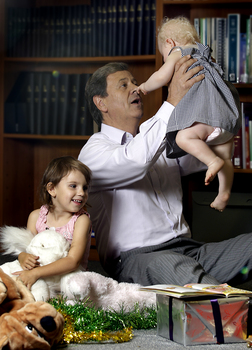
(179, 29)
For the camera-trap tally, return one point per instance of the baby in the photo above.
(207, 118)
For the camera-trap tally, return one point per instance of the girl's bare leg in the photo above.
(225, 176)
(192, 140)
(217, 158)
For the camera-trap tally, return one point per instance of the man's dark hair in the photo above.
(97, 86)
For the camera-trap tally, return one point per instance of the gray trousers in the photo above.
(183, 260)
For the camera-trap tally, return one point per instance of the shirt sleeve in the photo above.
(189, 164)
(114, 165)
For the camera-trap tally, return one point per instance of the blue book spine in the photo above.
(233, 47)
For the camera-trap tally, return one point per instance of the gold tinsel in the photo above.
(72, 336)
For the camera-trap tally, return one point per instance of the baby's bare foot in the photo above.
(220, 201)
(213, 169)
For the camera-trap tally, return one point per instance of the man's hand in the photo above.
(182, 79)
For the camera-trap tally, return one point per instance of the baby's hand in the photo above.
(141, 88)
(28, 261)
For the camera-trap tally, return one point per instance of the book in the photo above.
(30, 101)
(58, 23)
(99, 29)
(153, 28)
(46, 35)
(249, 49)
(119, 28)
(131, 32)
(68, 31)
(37, 101)
(125, 27)
(53, 102)
(74, 40)
(243, 78)
(197, 290)
(85, 120)
(10, 121)
(74, 98)
(63, 102)
(250, 141)
(89, 44)
(146, 28)
(237, 156)
(233, 46)
(139, 26)
(21, 106)
(114, 27)
(45, 102)
(78, 30)
(196, 23)
(94, 23)
(10, 31)
(245, 135)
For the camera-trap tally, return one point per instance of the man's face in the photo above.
(123, 104)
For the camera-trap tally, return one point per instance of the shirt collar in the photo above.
(117, 135)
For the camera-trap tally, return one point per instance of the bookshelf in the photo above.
(23, 157)
(196, 9)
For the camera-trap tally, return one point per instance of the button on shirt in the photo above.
(136, 194)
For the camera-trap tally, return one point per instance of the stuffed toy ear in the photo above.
(3, 341)
(10, 285)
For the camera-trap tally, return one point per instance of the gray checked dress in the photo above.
(211, 101)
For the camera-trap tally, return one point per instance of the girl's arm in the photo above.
(163, 75)
(65, 265)
(29, 261)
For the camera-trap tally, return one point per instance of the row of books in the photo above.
(242, 158)
(103, 28)
(48, 103)
(231, 41)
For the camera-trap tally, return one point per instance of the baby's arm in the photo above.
(29, 261)
(163, 75)
(65, 265)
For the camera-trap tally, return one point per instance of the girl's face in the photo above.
(71, 193)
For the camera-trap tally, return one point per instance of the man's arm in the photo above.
(183, 79)
(115, 165)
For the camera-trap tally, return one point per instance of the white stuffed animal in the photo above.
(50, 246)
(106, 293)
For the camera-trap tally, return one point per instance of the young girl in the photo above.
(206, 119)
(64, 193)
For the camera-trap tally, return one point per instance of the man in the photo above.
(136, 195)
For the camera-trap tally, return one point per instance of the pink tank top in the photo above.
(66, 230)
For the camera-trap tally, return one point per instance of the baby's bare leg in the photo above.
(192, 140)
(225, 175)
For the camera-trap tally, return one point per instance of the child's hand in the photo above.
(28, 261)
(27, 277)
(141, 88)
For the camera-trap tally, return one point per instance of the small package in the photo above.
(201, 314)
(194, 322)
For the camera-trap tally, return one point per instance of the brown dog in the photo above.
(24, 323)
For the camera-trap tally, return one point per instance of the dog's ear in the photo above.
(3, 341)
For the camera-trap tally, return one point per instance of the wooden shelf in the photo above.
(71, 60)
(46, 137)
(203, 2)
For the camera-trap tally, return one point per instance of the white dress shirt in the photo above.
(136, 194)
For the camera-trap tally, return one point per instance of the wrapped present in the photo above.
(201, 321)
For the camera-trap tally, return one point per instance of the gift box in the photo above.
(194, 322)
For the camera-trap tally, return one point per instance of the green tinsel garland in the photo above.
(85, 323)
